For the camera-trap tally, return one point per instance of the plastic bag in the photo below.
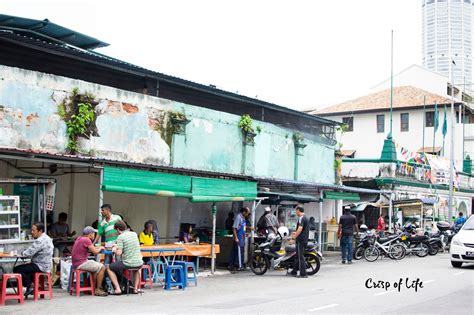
(65, 269)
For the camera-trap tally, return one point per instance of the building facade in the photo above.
(447, 31)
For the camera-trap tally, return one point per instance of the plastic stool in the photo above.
(186, 265)
(19, 286)
(174, 277)
(77, 275)
(146, 276)
(39, 290)
(128, 273)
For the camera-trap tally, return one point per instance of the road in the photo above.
(336, 289)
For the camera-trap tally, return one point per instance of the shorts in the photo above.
(90, 265)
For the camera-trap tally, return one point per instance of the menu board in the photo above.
(27, 199)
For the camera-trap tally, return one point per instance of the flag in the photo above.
(445, 123)
(436, 119)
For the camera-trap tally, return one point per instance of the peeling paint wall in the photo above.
(127, 125)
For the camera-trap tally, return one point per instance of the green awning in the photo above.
(215, 190)
(277, 197)
(146, 182)
(337, 195)
(198, 189)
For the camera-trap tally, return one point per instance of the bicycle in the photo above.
(387, 246)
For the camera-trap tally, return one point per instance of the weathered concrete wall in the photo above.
(126, 124)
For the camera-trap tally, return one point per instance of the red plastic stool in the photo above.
(19, 292)
(146, 277)
(39, 290)
(88, 278)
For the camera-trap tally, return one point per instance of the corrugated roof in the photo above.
(44, 29)
(403, 97)
(119, 65)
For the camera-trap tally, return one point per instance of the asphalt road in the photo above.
(336, 289)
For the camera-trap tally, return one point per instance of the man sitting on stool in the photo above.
(81, 250)
(129, 248)
(41, 253)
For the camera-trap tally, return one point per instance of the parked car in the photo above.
(462, 244)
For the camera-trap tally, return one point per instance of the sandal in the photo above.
(136, 291)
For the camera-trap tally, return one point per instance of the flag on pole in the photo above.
(436, 118)
(445, 123)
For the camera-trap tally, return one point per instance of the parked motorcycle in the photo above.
(362, 242)
(268, 255)
(415, 244)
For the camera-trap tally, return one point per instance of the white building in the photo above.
(446, 31)
(368, 118)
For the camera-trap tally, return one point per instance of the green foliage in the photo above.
(298, 137)
(177, 116)
(342, 128)
(246, 123)
(337, 164)
(78, 124)
(259, 129)
(62, 111)
(78, 113)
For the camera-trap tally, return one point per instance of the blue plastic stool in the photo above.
(174, 277)
(186, 265)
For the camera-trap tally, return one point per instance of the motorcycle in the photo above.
(414, 244)
(362, 242)
(268, 255)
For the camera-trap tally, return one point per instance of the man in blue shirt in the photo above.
(238, 230)
(460, 220)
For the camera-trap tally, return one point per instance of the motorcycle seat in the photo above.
(290, 248)
(418, 238)
(386, 239)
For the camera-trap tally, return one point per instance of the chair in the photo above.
(146, 276)
(186, 266)
(174, 277)
(19, 288)
(39, 290)
(77, 275)
(128, 274)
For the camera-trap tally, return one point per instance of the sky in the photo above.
(298, 54)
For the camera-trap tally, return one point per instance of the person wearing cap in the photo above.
(268, 222)
(81, 250)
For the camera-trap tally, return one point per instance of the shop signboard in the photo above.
(27, 199)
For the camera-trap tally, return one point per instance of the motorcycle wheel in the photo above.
(259, 264)
(371, 253)
(359, 253)
(433, 250)
(397, 252)
(312, 263)
(425, 249)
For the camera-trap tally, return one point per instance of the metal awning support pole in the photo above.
(390, 213)
(101, 192)
(213, 250)
(255, 205)
(44, 210)
(320, 232)
(421, 217)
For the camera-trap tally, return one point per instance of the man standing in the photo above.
(381, 226)
(238, 248)
(80, 252)
(41, 253)
(106, 228)
(345, 233)
(461, 219)
(301, 236)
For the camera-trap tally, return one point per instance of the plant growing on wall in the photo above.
(171, 122)
(341, 129)
(79, 115)
(246, 125)
(298, 139)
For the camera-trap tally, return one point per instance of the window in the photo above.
(429, 119)
(349, 121)
(404, 122)
(380, 123)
